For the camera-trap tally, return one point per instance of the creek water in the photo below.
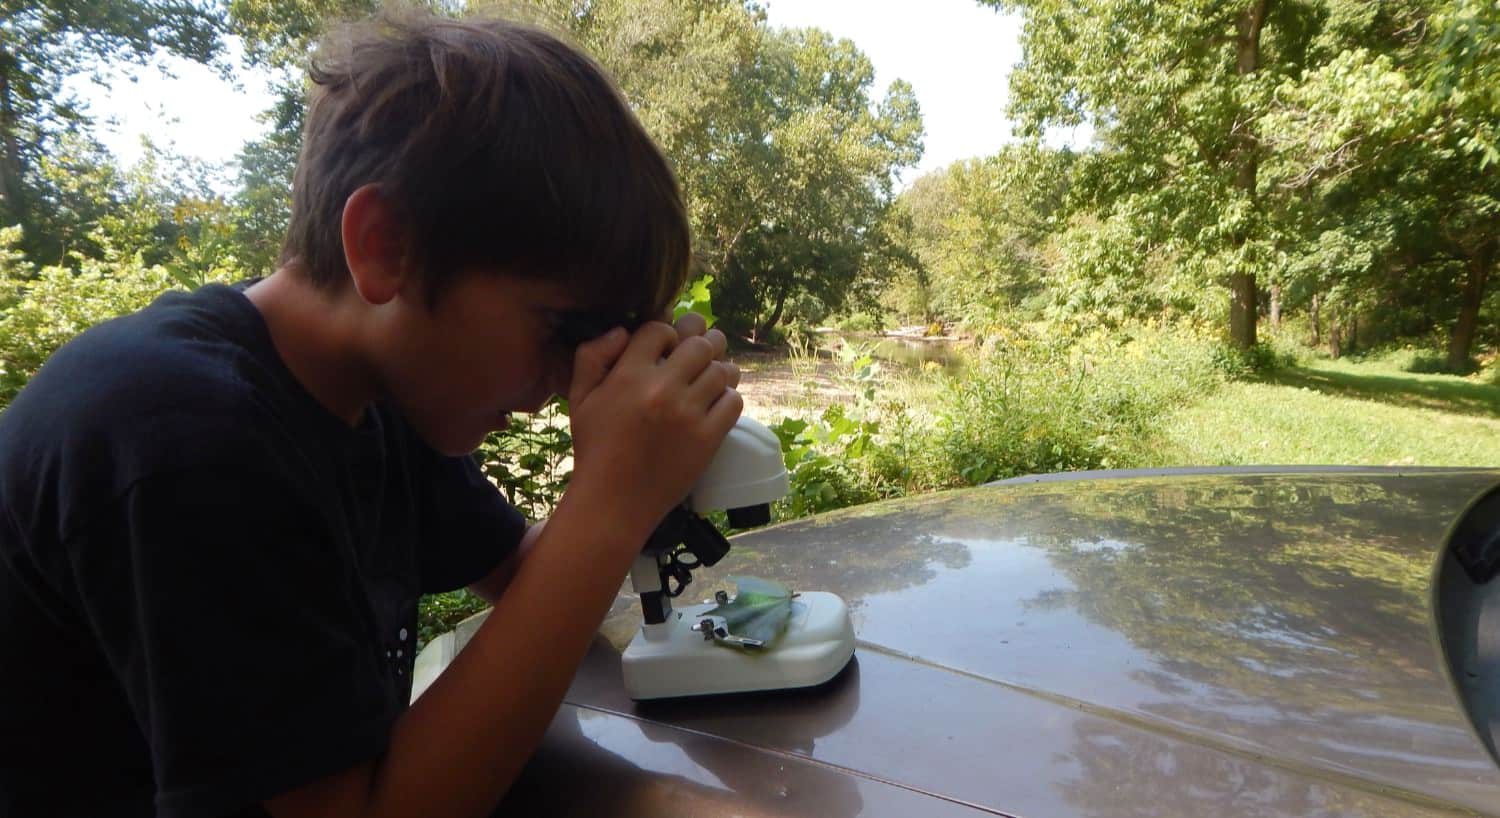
(903, 350)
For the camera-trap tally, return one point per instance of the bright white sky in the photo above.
(956, 54)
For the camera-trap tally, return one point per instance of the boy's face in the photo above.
(488, 347)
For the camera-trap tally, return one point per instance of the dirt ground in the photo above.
(775, 386)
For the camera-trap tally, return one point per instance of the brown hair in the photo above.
(501, 146)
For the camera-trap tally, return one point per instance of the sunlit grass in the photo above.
(1340, 412)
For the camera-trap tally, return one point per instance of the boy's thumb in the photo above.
(592, 362)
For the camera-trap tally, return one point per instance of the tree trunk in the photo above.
(1461, 342)
(1242, 298)
(764, 330)
(1242, 291)
(1351, 341)
(12, 197)
(1275, 307)
(1317, 331)
(1335, 341)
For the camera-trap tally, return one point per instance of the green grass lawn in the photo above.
(1341, 412)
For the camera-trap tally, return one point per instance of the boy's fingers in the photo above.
(717, 340)
(691, 323)
(724, 412)
(653, 341)
(713, 382)
(690, 358)
(593, 360)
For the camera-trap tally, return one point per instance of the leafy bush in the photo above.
(531, 460)
(1034, 404)
(821, 460)
(439, 613)
(1031, 402)
(41, 311)
(859, 322)
(1420, 357)
(1426, 363)
(1245, 364)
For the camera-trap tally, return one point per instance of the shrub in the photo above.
(1426, 363)
(439, 613)
(1035, 404)
(1259, 360)
(40, 313)
(859, 322)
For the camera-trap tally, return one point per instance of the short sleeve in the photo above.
(239, 634)
(468, 527)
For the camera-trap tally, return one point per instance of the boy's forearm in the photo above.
(457, 749)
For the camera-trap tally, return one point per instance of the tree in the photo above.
(785, 160)
(1393, 141)
(981, 229)
(812, 162)
(1175, 90)
(42, 42)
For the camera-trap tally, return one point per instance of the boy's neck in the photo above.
(316, 333)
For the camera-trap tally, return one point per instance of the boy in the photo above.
(217, 514)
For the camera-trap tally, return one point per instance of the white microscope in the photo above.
(692, 652)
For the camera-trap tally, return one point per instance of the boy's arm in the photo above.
(493, 584)
(460, 745)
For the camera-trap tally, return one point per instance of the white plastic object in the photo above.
(746, 471)
(671, 660)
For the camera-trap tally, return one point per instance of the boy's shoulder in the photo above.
(192, 379)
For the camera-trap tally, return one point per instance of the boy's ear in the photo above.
(374, 244)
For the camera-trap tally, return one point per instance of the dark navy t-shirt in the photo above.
(208, 583)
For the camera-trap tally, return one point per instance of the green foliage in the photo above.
(860, 322)
(1032, 401)
(793, 205)
(439, 613)
(821, 460)
(980, 230)
(697, 298)
(1245, 364)
(40, 310)
(531, 460)
(1173, 89)
(1034, 405)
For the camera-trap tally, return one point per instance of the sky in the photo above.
(956, 54)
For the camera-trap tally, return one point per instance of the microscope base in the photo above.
(671, 660)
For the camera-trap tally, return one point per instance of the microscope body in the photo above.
(688, 652)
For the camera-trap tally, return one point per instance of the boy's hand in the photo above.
(648, 412)
(694, 324)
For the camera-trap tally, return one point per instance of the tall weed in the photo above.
(1028, 402)
(1035, 405)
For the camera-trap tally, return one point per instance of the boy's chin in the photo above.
(453, 442)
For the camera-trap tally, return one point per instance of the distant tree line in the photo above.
(1333, 158)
